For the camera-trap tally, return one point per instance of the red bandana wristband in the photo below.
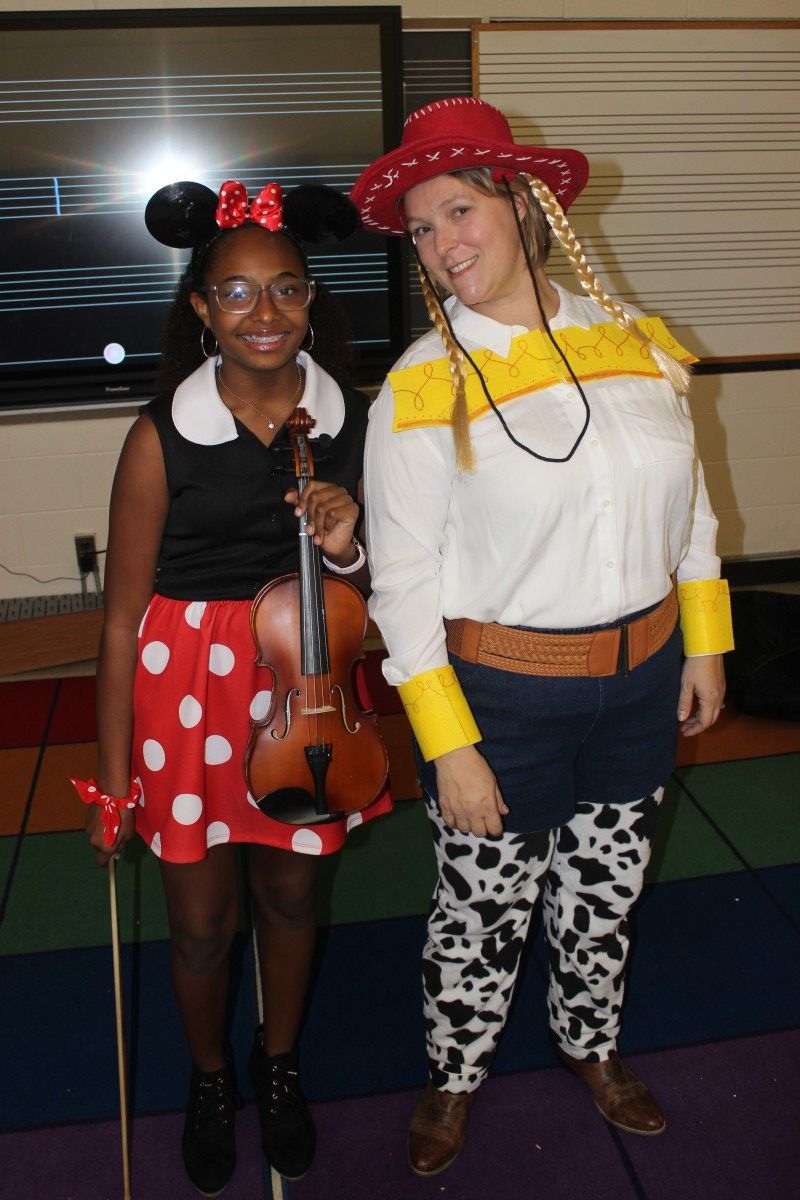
(90, 793)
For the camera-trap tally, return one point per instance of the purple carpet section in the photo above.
(84, 1162)
(732, 1133)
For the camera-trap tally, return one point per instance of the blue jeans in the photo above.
(554, 743)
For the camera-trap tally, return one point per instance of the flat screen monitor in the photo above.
(100, 109)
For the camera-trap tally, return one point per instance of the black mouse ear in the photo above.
(315, 213)
(182, 214)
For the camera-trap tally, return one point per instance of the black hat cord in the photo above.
(548, 332)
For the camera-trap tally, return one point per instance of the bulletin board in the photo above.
(692, 132)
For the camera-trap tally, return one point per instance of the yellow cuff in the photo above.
(438, 711)
(705, 607)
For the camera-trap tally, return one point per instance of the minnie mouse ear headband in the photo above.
(459, 134)
(185, 214)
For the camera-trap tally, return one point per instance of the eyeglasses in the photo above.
(242, 295)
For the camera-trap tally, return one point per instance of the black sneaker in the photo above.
(287, 1129)
(209, 1136)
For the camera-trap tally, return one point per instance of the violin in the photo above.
(317, 755)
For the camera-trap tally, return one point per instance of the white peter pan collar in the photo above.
(201, 417)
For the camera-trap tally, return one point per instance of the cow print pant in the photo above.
(590, 874)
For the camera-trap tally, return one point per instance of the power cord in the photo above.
(55, 578)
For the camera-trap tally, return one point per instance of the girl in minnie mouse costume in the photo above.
(201, 518)
(532, 492)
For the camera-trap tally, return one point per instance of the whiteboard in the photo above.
(692, 210)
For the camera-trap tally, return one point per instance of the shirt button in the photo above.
(609, 563)
(594, 442)
(606, 503)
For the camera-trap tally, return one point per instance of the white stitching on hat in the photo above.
(433, 157)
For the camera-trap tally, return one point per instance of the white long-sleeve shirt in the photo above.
(523, 542)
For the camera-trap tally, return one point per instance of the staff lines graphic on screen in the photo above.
(158, 96)
(152, 283)
(124, 193)
(100, 110)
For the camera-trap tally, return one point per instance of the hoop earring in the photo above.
(311, 343)
(208, 353)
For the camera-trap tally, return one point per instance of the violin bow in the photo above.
(120, 1021)
(278, 1188)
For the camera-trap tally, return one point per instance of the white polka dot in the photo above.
(155, 657)
(220, 659)
(153, 754)
(141, 791)
(217, 832)
(354, 819)
(187, 808)
(218, 750)
(155, 845)
(305, 841)
(194, 613)
(259, 705)
(190, 712)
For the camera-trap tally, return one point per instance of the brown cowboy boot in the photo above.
(618, 1093)
(437, 1130)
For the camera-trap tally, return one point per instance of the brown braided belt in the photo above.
(604, 652)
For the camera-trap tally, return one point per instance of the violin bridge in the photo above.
(357, 725)
(315, 712)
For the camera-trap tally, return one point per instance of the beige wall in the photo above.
(55, 472)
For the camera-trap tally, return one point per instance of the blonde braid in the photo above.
(676, 373)
(465, 458)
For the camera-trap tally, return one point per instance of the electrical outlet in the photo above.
(86, 552)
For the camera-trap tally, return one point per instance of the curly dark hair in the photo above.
(181, 353)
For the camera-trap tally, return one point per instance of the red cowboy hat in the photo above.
(456, 135)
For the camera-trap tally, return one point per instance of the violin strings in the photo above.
(321, 685)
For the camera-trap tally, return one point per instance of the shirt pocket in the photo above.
(650, 421)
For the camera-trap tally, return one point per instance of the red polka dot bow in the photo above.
(90, 793)
(265, 209)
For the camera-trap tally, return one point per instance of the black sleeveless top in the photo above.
(228, 529)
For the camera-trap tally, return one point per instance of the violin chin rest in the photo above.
(295, 806)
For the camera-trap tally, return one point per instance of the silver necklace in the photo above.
(241, 399)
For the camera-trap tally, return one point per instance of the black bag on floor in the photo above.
(763, 672)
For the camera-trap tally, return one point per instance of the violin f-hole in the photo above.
(350, 729)
(287, 716)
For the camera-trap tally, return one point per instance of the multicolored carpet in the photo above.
(711, 1019)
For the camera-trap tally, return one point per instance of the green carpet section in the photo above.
(756, 803)
(686, 845)
(60, 898)
(386, 870)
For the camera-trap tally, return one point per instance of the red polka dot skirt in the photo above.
(197, 686)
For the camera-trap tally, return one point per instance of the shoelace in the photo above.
(285, 1091)
(214, 1103)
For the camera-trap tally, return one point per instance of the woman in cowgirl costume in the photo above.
(202, 515)
(532, 494)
